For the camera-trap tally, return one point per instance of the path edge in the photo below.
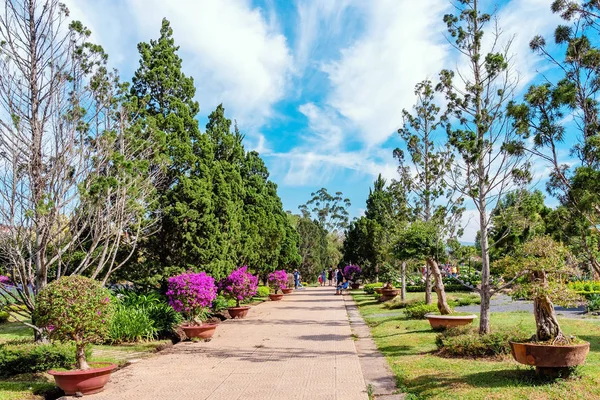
(375, 368)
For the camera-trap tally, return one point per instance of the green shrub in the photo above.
(131, 324)
(418, 311)
(397, 303)
(4, 316)
(593, 302)
(221, 303)
(455, 287)
(163, 316)
(26, 357)
(370, 287)
(262, 291)
(467, 300)
(467, 342)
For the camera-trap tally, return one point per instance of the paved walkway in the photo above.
(297, 348)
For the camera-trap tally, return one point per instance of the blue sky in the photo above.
(317, 86)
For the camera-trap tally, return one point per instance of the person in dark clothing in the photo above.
(339, 277)
(330, 276)
(296, 278)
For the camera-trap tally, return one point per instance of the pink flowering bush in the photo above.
(352, 272)
(239, 285)
(277, 280)
(191, 294)
(75, 308)
(5, 280)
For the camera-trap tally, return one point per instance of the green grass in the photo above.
(409, 346)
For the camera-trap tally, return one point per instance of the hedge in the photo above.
(26, 357)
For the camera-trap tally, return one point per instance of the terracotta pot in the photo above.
(287, 290)
(449, 321)
(85, 382)
(548, 356)
(238, 312)
(275, 296)
(355, 286)
(389, 294)
(378, 290)
(204, 331)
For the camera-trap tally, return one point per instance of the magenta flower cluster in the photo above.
(5, 279)
(190, 293)
(352, 272)
(278, 280)
(239, 285)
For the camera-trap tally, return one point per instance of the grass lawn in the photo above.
(409, 346)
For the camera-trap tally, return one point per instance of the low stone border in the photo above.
(375, 368)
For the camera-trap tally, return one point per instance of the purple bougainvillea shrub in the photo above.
(239, 285)
(191, 294)
(75, 308)
(5, 280)
(352, 272)
(278, 280)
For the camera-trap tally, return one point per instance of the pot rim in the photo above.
(108, 368)
(450, 316)
(204, 325)
(586, 344)
(239, 308)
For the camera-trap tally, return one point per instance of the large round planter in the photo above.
(287, 291)
(378, 290)
(238, 312)
(85, 382)
(355, 286)
(204, 331)
(449, 321)
(275, 296)
(389, 294)
(548, 356)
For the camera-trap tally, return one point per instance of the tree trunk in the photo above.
(81, 362)
(403, 276)
(427, 285)
(438, 286)
(484, 311)
(546, 323)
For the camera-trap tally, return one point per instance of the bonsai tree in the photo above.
(421, 240)
(352, 272)
(388, 275)
(545, 263)
(191, 294)
(278, 280)
(239, 285)
(75, 308)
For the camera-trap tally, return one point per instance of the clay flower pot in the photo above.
(438, 321)
(287, 290)
(85, 382)
(275, 296)
(204, 331)
(548, 358)
(355, 286)
(378, 290)
(238, 312)
(389, 294)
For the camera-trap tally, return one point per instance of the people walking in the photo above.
(330, 276)
(322, 278)
(296, 278)
(339, 277)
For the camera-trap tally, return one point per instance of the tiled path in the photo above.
(297, 348)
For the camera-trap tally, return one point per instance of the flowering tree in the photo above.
(191, 293)
(75, 308)
(352, 272)
(278, 280)
(239, 285)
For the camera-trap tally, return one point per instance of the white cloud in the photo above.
(470, 224)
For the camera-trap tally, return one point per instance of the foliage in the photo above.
(593, 302)
(239, 285)
(388, 273)
(164, 317)
(352, 272)
(26, 357)
(398, 303)
(4, 316)
(584, 287)
(221, 303)
(330, 211)
(131, 324)
(313, 247)
(369, 288)
(75, 308)
(448, 287)
(466, 342)
(418, 311)
(191, 294)
(278, 280)
(263, 291)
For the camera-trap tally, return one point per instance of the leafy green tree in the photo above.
(312, 247)
(331, 211)
(488, 164)
(424, 180)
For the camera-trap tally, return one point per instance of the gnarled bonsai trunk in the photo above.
(438, 286)
(547, 327)
(427, 284)
(81, 362)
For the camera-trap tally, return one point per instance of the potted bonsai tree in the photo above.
(352, 273)
(79, 309)
(545, 264)
(277, 281)
(239, 285)
(388, 275)
(192, 294)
